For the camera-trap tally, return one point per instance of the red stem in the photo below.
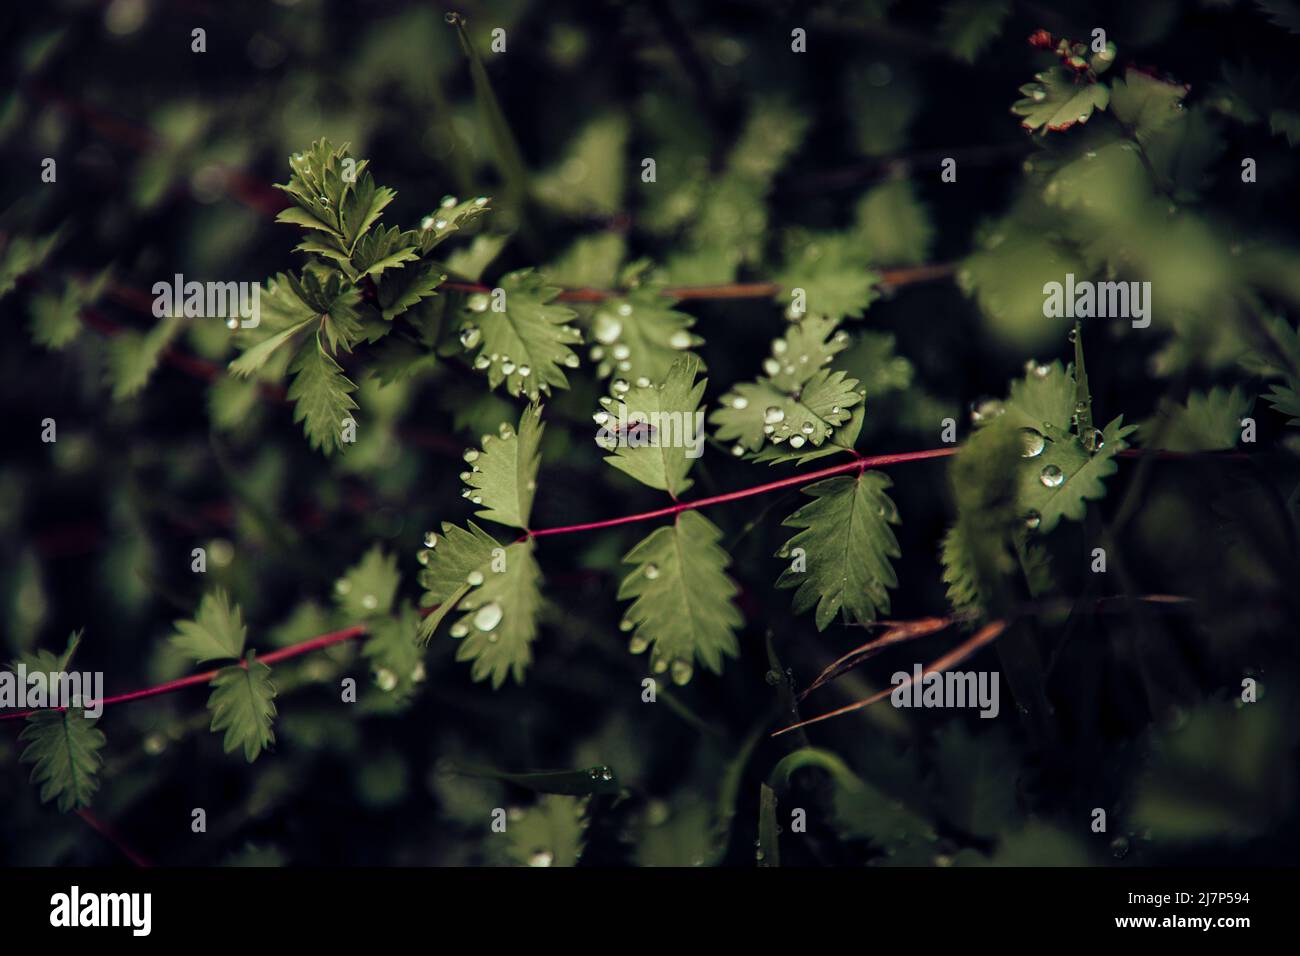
(857, 464)
(111, 835)
(294, 650)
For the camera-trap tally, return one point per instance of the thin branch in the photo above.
(857, 464)
(284, 654)
(112, 836)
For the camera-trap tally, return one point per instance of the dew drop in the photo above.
(607, 328)
(478, 302)
(474, 578)
(525, 371)
(232, 323)
(448, 202)
(369, 602)
(423, 557)
(343, 586)
(737, 451)
(807, 428)
(796, 441)
(651, 571)
(471, 455)
(620, 386)
(469, 336)
(1093, 441)
(507, 366)
(774, 415)
(1051, 476)
(600, 418)
(488, 616)
(680, 339)
(740, 402)
(481, 362)
(638, 644)
(682, 672)
(430, 539)
(386, 679)
(624, 309)
(625, 625)
(440, 223)
(643, 382)
(541, 858)
(771, 367)
(571, 361)
(779, 347)
(1032, 443)
(459, 630)
(1032, 520)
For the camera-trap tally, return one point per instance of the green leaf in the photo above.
(1043, 399)
(362, 205)
(243, 705)
(977, 777)
(450, 218)
(832, 270)
(843, 438)
(399, 290)
(860, 810)
(641, 335)
(367, 588)
(504, 473)
(381, 250)
(552, 832)
(661, 426)
(56, 318)
(1079, 479)
(1207, 421)
(395, 656)
(497, 590)
(752, 408)
(48, 663)
(63, 748)
(797, 400)
(1285, 400)
(682, 605)
(133, 356)
(977, 552)
(232, 402)
(1059, 100)
(589, 179)
(483, 250)
(966, 27)
(22, 255)
(322, 396)
(1146, 104)
(893, 225)
(217, 631)
(525, 345)
(846, 544)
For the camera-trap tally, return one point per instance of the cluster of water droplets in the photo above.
(680, 670)
(611, 351)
